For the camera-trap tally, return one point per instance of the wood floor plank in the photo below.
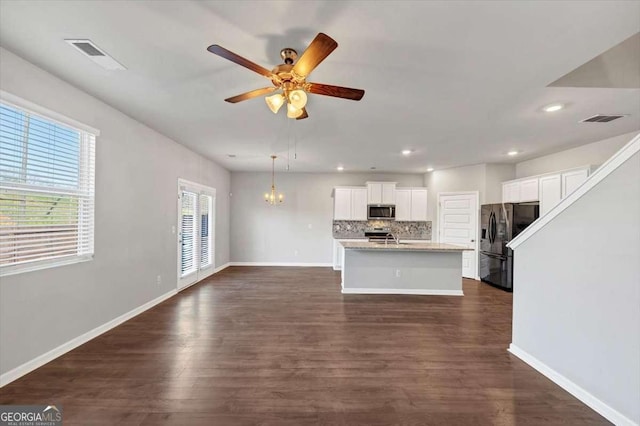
(283, 346)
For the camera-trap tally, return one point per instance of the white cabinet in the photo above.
(403, 204)
(350, 203)
(359, 203)
(519, 191)
(511, 192)
(529, 190)
(549, 189)
(338, 252)
(550, 192)
(411, 204)
(572, 180)
(342, 204)
(419, 204)
(381, 192)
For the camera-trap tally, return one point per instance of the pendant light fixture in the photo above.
(271, 197)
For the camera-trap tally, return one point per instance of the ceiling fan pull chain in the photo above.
(288, 142)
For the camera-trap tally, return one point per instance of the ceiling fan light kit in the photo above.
(290, 77)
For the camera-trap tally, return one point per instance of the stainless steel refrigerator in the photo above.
(499, 224)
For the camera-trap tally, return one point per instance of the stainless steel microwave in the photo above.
(381, 212)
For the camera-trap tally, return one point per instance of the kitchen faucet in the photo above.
(395, 238)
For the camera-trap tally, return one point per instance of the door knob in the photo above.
(473, 241)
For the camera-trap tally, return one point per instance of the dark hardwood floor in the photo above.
(283, 346)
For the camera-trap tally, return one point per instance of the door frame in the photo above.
(209, 270)
(438, 228)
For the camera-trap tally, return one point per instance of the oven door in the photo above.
(497, 270)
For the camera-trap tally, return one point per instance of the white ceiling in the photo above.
(458, 82)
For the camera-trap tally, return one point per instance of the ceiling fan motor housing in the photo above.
(288, 55)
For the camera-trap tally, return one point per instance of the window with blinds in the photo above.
(47, 174)
(205, 230)
(189, 232)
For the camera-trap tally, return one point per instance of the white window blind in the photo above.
(47, 196)
(205, 230)
(189, 233)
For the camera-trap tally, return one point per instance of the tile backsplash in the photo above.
(404, 230)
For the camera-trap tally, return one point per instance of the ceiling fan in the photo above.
(291, 76)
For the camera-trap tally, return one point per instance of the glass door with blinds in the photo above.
(196, 207)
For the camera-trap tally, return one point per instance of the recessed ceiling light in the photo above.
(512, 153)
(553, 108)
(406, 152)
(430, 169)
(340, 168)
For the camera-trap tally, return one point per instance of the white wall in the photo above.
(136, 187)
(594, 153)
(576, 300)
(299, 230)
(484, 178)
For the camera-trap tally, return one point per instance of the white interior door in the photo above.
(196, 207)
(458, 224)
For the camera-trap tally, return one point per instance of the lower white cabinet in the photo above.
(411, 204)
(338, 252)
(350, 203)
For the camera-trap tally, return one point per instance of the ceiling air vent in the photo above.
(600, 118)
(97, 55)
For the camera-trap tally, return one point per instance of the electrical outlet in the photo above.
(159, 279)
(295, 252)
(397, 273)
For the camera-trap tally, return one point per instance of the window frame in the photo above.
(14, 101)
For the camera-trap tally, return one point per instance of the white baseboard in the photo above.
(416, 291)
(221, 267)
(582, 394)
(41, 360)
(298, 264)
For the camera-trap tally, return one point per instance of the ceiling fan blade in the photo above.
(249, 95)
(336, 91)
(320, 48)
(229, 55)
(304, 114)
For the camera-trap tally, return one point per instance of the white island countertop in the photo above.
(392, 246)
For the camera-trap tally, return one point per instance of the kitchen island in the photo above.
(390, 268)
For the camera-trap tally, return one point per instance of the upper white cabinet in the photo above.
(550, 192)
(350, 203)
(549, 189)
(411, 204)
(529, 190)
(342, 204)
(572, 180)
(519, 191)
(511, 192)
(403, 204)
(359, 204)
(381, 192)
(418, 204)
